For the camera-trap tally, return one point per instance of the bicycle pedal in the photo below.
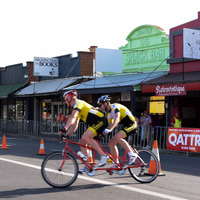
(110, 172)
(81, 172)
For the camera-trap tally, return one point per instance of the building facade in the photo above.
(144, 57)
(24, 96)
(181, 87)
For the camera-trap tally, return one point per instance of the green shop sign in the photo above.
(147, 49)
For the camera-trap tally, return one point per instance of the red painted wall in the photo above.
(191, 66)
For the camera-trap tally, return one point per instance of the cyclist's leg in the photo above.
(125, 133)
(119, 139)
(87, 138)
(113, 147)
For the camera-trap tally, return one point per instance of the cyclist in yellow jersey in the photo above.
(93, 117)
(118, 114)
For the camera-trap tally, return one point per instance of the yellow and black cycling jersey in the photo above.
(87, 113)
(126, 117)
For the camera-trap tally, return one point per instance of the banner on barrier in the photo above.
(183, 139)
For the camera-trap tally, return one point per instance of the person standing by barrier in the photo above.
(146, 122)
(176, 120)
(61, 118)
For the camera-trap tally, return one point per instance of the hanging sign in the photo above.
(191, 43)
(170, 90)
(45, 66)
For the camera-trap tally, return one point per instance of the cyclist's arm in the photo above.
(116, 121)
(107, 131)
(73, 128)
(72, 119)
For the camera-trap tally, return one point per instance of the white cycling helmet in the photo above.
(103, 99)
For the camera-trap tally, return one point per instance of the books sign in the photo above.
(45, 66)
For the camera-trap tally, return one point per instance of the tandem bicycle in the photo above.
(60, 169)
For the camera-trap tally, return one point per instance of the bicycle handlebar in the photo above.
(64, 137)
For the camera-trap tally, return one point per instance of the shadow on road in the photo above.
(29, 191)
(180, 164)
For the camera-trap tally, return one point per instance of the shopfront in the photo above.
(179, 96)
(181, 86)
(49, 114)
(10, 107)
(13, 109)
(47, 102)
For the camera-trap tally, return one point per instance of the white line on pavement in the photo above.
(164, 196)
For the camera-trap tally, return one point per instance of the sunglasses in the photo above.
(68, 99)
(100, 104)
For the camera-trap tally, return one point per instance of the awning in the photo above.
(190, 79)
(6, 90)
(47, 87)
(114, 83)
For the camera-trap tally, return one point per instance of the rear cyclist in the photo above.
(94, 118)
(119, 114)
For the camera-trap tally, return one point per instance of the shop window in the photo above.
(11, 112)
(56, 110)
(46, 112)
(20, 110)
(5, 112)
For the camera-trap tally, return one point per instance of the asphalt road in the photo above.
(21, 179)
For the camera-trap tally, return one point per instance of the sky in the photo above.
(50, 28)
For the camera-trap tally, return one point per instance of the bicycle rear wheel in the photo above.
(144, 173)
(59, 174)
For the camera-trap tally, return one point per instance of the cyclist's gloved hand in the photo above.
(63, 138)
(62, 131)
(106, 131)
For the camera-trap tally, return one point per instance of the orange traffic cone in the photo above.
(90, 159)
(41, 150)
(152, 165)
(4, 145)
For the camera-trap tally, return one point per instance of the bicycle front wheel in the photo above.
(58, 172)
(146, 167)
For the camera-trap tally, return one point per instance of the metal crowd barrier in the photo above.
(47, 130)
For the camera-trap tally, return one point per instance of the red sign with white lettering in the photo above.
(183, 139)
(170, 90)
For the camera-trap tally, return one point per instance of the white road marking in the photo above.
(147, 192)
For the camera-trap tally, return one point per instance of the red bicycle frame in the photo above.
(90, 166)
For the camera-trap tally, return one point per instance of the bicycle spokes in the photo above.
(141, 171)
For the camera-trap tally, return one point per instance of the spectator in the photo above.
(61, 118)
(146, 122)
(176, 120)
